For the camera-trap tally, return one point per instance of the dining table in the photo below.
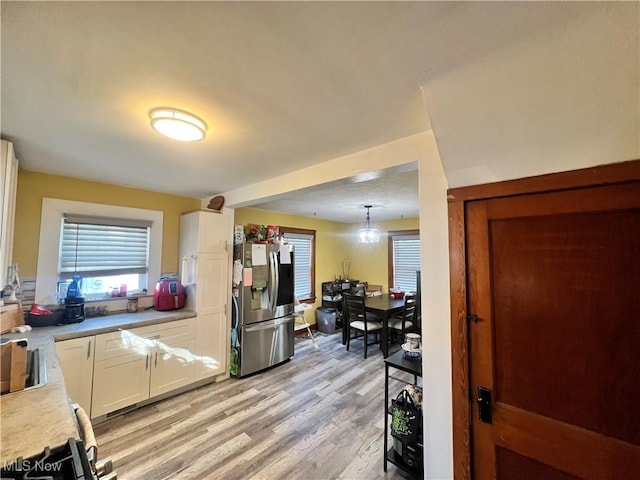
(383, 306)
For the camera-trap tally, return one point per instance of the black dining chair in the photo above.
(356, 319)
(405, 322)
(359, 290)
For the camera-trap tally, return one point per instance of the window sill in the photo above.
(116, 304)
(96, 299)
(307, 300)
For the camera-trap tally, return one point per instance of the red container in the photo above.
(168, 295)
(397, 295)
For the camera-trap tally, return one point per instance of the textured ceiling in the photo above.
(509, 88)
(392, 194)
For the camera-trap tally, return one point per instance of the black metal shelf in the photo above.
(414, 367)
(412, 471)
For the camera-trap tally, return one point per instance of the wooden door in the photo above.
(553, 284)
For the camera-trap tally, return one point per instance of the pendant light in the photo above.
(368, 234)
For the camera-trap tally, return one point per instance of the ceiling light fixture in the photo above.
(178, 124)
(368, 234)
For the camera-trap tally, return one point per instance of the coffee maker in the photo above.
(74, 303)
(73, 310)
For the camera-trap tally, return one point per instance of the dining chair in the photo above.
(359, 290)
(356, 319)
(301, 323)
(405, 322)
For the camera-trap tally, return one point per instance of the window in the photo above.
(404, 259)
(304, 242)
(51, 226)
(107, 252)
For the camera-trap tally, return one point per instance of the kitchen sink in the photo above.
(36, 369)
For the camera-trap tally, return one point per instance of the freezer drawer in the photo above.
(265, 344)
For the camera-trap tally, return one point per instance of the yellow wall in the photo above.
(370, 261)
(34, 186)
(329, 241)
(335, 242)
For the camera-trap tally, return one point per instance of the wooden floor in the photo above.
(318, 416)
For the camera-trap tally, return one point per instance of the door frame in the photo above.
(611, 174)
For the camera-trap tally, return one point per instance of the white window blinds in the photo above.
(406, 261)
(303, 245)
(99, 246)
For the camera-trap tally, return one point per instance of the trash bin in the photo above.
(326, 319)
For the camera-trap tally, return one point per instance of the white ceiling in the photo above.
(392, 194)
(506, 86)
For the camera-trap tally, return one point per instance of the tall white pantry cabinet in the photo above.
(205, 252)
(8, 188)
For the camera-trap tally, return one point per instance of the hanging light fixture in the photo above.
(368, 234)
(178, 124)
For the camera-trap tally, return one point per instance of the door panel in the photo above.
(564, 291)
(119, 382)
(553, 279)
(212, 338)
(266, 344)
(285, 279)
(173, 366)
(517, 467)
(76, 360)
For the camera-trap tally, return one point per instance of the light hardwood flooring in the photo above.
(318, 416)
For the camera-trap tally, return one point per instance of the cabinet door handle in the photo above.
(89, 349)
(146, 363)
(156, 361)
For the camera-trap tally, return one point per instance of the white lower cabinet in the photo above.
(134, 365)
(119, 382)
(173, 367)
(211, 345)
(76, 360)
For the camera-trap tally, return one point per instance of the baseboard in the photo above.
(149, 401)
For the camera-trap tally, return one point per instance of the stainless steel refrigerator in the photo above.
(263, 292)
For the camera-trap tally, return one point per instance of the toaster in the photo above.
(168, 294)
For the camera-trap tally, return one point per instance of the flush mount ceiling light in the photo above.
(368, 234)
(178, 124)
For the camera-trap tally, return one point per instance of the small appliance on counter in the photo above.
(40, 316)
(73, 310)
(74, 302)
(168, 294)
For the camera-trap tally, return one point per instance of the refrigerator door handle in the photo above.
(276, 269)
(273, 283)
(272, 359)
(268, 324)
(273, 347)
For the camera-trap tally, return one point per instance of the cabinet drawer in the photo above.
(123, 342)
(142, 339)
(174, 332)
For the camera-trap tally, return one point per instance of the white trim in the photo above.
(50, 224)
